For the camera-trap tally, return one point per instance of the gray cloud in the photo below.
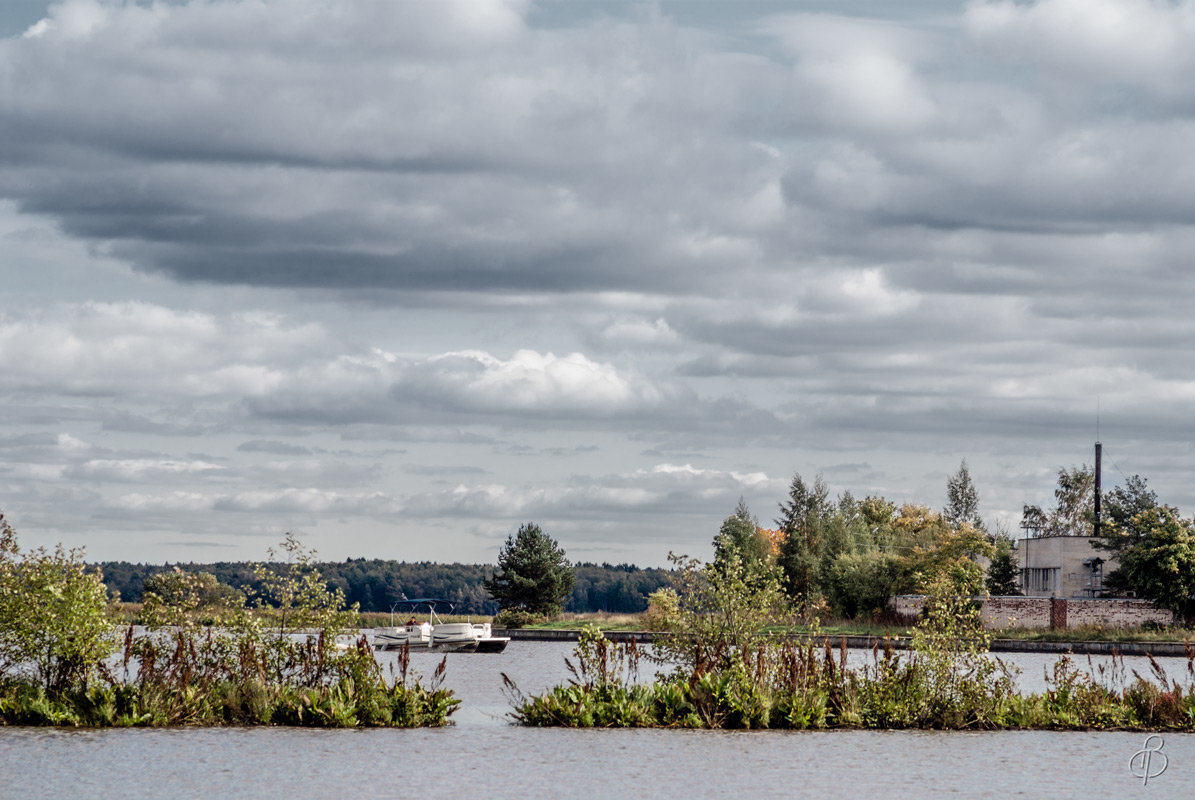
(320, 171)
(399, 277)
(440, 471)
(274, 448)
(406, 189)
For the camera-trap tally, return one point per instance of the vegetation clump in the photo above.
(516, 618)
(283, 659)
(728, 671)
(54, 627)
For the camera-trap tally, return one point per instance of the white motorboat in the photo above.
(437, 635)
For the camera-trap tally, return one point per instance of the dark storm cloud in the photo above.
(425, 267)
(606, 154)
(414, 170)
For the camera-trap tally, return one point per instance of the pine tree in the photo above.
(739, 540)
(533, 573)
(805, 504)
(1003, 576)
(801, 518)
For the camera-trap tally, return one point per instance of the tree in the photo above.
(1074, 511)
(294, 590)
(801, 519)
(1074, 506)
(861, 584)
(933, 547)
(722, 613)
(174, 597)
(53, 614)
(962, 500)
(805, 504)
(1161, 566)
(740, 539)
(533, 573)
(1034, 521)
(1122, 508)
(1002, 571)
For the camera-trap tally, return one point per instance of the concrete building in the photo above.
(1062, 566)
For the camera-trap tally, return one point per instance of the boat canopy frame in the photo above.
(418, 603)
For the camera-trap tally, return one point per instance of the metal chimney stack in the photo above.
(1099, 452)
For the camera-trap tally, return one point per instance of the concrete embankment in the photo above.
(868, 642)
(543, 635)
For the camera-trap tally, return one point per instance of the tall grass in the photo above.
(792, 685)
(207, 677)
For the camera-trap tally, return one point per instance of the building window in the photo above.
(1040, 580)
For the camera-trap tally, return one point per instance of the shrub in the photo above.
(250, 671)
(54, 624)
(516, 618)
(663, 609)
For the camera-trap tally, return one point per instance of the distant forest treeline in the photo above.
(376, 584)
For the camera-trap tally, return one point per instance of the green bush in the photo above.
(54, 626)
(516, 618)
(253, 670)
(947, 681)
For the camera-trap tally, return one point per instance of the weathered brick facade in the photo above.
(1058, 613)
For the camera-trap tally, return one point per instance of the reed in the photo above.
(208, 678)
(285, 658)
(795, 685)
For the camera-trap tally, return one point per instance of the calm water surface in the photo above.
(484, 755)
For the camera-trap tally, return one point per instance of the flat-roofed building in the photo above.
(1062, 566)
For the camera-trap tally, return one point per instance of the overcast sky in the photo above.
(400, 276)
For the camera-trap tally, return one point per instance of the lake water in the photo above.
(484, 755)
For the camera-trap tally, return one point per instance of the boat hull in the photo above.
(450, 637)
(494, 644)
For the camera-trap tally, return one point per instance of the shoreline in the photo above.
(1167, 649)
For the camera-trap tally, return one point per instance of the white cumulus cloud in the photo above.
(530, 382)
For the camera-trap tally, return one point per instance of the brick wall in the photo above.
(1115, 613)
(1018, 612)
(1037, 612)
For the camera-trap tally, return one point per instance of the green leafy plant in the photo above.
(663, 609)
(54, 624)
(723, 612)
(516, 618)
(285, 661)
